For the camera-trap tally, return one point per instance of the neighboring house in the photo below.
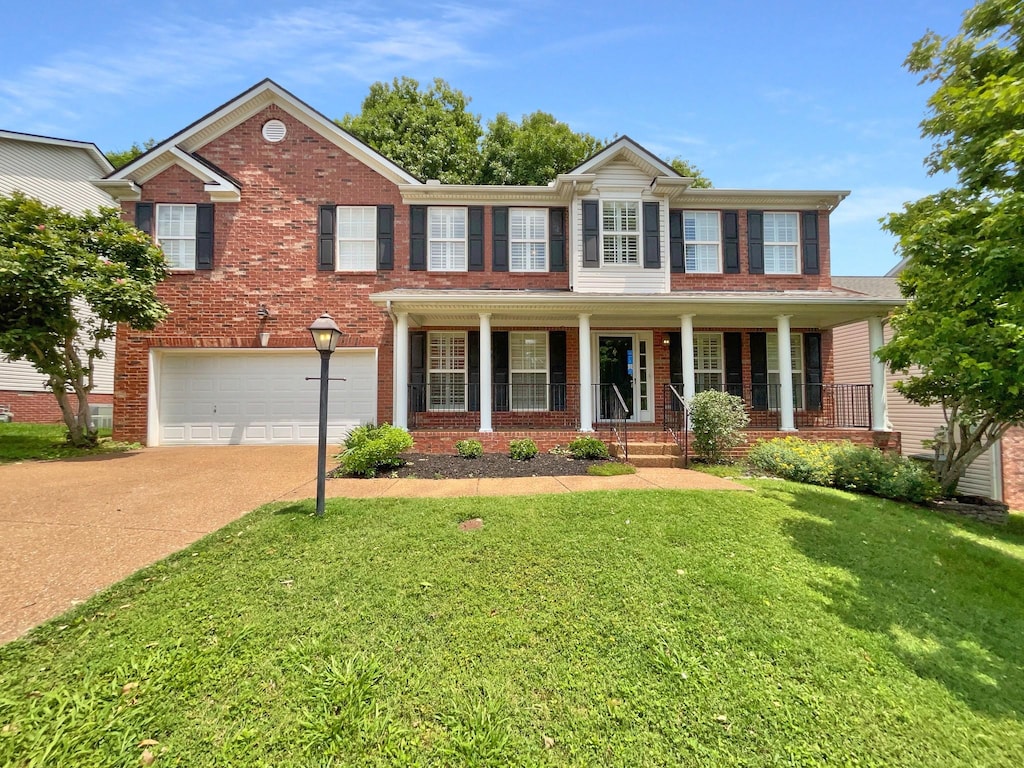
(487, 311)
(58, 172)
(998, 473)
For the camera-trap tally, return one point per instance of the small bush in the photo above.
(588, 448)
(470, 449)
(717, 420)
(794, 459)
(522, 450)
(368, 449)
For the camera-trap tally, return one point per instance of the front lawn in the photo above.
(794, 626)
(26, 442)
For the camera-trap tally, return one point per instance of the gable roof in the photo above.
(179, 148)
(86, 146)
(624, 147)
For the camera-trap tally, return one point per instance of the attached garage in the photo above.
(257, 398)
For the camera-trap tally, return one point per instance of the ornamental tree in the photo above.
(65, 281)
(961, 334)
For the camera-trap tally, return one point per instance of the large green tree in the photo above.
(121, 158)
(532, 151)
(961, 334)
(65, 281)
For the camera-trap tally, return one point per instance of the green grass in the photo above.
(611, 469)
(794, 626)
(29, 442)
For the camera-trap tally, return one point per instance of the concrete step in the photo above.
(648, 449)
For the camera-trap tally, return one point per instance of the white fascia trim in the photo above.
(779, 199)
(86, 146)
(481, 194)
(640, 156)
(220, 188)
(119, 189)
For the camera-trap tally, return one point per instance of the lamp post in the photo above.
(325, 334)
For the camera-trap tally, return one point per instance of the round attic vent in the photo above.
(274, 131)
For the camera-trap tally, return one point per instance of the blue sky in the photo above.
(787, 95)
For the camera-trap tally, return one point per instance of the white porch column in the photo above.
(400, 417)
(689, 376)
(879, 405)
(586, 400)
(786, 423)
(485, 372)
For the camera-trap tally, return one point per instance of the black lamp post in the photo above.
(325, 334)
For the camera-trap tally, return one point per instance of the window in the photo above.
(446, 377)
(176, 234)
(528, 240)
(702, 242)
(796, 345)
(707, 361)
(781, 242)
(357, 238)
(528, 368)
(446, 250)
(620, 231)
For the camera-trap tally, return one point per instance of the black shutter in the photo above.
(810, 242)
(556, 352)
(385, 237)
(499, 369)
(812, 371)
(755, 242)
(759, 371)
(556, 240)
(677, 260)
(204, 236)
(591, 235)
(499, 239)
(476, 239)
(731, 242)
(144, 217)
(325, 238)
(652, 236)
(473, 363)
(417, 238)
(733, 363)
(417, 371)
(675, 367)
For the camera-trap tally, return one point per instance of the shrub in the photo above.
(470, 449)
(794, 459)
(522, 450)
(368, 449)
(717, 420)
(588, 448)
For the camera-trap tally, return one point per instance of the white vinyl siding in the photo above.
(528, 240)
(357, 238)
(528, 353)
(796, 346)
(176, 234)
(620, 232)
(702, 241)
(707, 361)
(446, 375)
(781, 243)
(446, 248)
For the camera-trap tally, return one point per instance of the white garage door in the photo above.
(255, 398)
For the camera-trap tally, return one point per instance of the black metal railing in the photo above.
(610, 408)
(527, 406)
(675, 419)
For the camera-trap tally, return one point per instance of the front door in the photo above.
(623, 360)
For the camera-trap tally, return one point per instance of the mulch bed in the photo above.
(436, 466)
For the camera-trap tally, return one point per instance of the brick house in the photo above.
(609, 296)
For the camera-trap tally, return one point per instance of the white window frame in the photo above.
(702, 367)
(347, 262)
(796, 354)
(698, 243)
(773, 248)
(449, 260)
(541, 337)
(529, 239)
(181, 236)
(623, 235)
(456, 400)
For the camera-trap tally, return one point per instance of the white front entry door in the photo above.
(624, 358)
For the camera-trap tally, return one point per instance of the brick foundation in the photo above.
(41, 407)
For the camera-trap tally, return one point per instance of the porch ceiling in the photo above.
(711, 309)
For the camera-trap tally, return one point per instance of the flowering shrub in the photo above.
(469, 449)
(368, 449)
(717, 420)
(522, 450)
(795, 459)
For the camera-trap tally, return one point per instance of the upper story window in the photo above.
(781, 243)
(446, 247)
(796, 356)
(702, 241)
(357, 238)
(528, 237)
(707, 361)
(176, 234)
(620, 231)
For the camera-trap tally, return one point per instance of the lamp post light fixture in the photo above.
(325, 334)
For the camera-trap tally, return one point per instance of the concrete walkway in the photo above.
(70, 528)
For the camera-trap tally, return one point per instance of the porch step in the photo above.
(651, 454)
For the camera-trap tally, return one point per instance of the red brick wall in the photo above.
(40, 407)
(1013, 468)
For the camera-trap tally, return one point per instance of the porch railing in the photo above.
(610, 408)
(526, 406)
(675, 419)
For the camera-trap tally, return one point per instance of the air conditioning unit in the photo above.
(102, 416)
